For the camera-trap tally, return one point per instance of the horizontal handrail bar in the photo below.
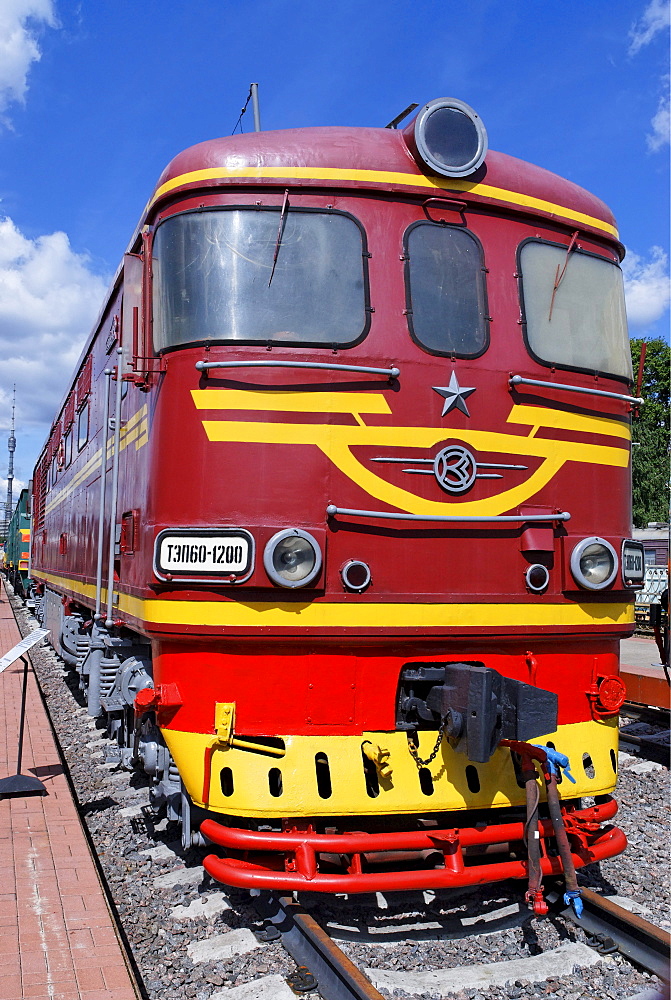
(520, 380)
(203, 366)
(332, 510)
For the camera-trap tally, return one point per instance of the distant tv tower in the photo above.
(11, 445)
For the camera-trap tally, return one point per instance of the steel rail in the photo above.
(646, 713)
(310, 946)
(653, 747)
(635, 938)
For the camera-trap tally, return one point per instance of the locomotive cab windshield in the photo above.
(574, 309)
(249, 276)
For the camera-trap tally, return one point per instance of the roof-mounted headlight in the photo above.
(292, 558)
(448, 137)
(594, 563)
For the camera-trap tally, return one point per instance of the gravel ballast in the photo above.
(166, 903)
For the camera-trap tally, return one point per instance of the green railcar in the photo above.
(17, 547)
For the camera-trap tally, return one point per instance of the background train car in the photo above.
(339, 499)
(17, 547)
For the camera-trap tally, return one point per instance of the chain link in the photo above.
(434, 753)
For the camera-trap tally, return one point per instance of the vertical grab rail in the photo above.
(103, 490)
(115, 491)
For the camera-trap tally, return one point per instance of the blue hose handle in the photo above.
(557, 761)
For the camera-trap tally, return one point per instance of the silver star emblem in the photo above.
(454, 395)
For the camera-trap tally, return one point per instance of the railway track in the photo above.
(646, 732)
(609, 926)
(190, 938)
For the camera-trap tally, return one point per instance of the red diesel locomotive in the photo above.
(334, 519)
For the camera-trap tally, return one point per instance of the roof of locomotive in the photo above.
(366, 158)
(377, 158)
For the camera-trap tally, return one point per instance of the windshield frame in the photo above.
(523, 314)
(259, 343)
(485, 317)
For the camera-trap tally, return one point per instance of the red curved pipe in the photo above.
(306, 845)
(247, 876)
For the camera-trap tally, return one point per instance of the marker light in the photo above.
(594, 563)
(355, 575)
(537, 578)
(292, 558)
(448, 137)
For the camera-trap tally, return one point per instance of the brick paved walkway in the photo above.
(57, 936)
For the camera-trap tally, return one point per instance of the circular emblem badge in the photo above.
(455, 469)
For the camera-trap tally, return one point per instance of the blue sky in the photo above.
(96, 97)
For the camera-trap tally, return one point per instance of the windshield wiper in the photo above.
(280, 230)
(560, 274)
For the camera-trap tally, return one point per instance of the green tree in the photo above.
(650, 434)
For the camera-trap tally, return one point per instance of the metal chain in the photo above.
(413, 751)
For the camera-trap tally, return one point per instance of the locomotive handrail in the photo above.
(332, 510)
(204, 366)
(520, 380)
(103, 490)
(114, 493)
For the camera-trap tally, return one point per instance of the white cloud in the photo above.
(18, 44)
(655, 19)
(49, 299)
(661, 123)
(17, 486)
(646, 287)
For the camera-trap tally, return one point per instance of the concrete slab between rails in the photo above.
(630, 904)
(180, 876)
(268, 988)
(223, 946)
(648, 995)
(646, 767)
(495, 921)
(130, 812)
(171, 850)
(560, 962)
(206, 906)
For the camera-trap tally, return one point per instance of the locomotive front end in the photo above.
(334, 520)
(396, 379)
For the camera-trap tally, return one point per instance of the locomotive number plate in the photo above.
(193, 554)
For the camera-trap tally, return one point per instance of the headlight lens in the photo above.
(292, 558)
(594, 563)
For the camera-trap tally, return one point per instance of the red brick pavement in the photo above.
(57, 936)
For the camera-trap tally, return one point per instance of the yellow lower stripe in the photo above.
(382, 177)
(400, 793)
(316, 614)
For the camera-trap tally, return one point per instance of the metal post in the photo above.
(103, 490)
(21, 784)
(255, 105)
(115, 490)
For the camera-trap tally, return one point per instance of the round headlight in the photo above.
(449, 137)
(292, 558)
(594, 563)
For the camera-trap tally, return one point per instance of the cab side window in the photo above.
(83, 427)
